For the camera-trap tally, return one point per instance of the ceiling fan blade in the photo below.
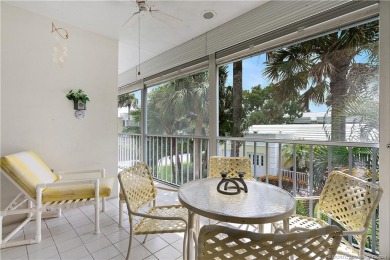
(166, 18)
(130, 18)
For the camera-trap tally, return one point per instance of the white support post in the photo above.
(384, 129)
(213, 105)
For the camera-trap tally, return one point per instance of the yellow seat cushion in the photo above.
(27, 170)
(85, 191)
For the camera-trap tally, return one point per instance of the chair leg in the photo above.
(38, 216)
(130, 239)
(104, 204)
(185, 241)
(120, 213)
(4, 242)
(143, 242)
(1, 229)
(97, 209)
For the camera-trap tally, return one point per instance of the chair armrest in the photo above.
(159, 217)
(79, 174)
(157, 186)
(308, 198)
(167, 189)
(354, 233)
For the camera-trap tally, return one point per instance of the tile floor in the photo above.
(71, 236)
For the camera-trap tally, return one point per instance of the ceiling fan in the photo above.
(144, 8)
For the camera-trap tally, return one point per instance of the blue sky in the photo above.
(252, 68)
(252, 75)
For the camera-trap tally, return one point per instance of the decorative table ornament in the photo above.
(239, 184)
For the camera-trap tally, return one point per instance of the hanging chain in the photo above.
(139, 44)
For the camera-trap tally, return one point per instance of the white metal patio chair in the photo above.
(122, 200)
(43, 190)
(219, 242)
(348, 201)
(138, 189)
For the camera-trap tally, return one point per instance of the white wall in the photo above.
(35, 114)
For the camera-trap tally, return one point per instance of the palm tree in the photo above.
(180, 106)
(318, 70)
(237, 105)
(364, 110)
(302, 156)
(225, 103)
(190, 98)
(130, 101)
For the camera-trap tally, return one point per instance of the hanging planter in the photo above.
(80, 102)
(79, 99)
(79, 105)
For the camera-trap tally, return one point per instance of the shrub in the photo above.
(287, 183)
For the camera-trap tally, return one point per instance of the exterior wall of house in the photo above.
(36, 115)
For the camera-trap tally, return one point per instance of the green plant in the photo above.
(287, 183)
(76, 96)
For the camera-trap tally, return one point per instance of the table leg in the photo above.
(190, 239)
(261, 228)
(286, 224)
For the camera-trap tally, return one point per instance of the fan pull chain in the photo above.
(139, 44)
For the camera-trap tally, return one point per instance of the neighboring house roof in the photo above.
(297, 131)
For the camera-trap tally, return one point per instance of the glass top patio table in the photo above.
(264, 203)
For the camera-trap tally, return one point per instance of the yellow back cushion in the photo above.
(28, 170)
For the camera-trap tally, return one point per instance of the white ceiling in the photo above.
(107, 17)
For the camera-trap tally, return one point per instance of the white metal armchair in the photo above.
(219, 242)
(138, 190)
(42, 190)
(348, 201)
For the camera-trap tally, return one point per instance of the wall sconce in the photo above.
(60, 50)
(61, 31)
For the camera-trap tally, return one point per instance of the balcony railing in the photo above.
(298, 166)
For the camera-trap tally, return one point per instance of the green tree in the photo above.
(238, 114)
(133, 111)
(318, 70)
(225, 103)
(180, 107)
(261, 107)
(302, 156)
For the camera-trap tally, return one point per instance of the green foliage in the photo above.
(165, 173)
(76, 96)
(302, 156)
(287, 183)
(261, 107)
(324, 70)
(133, 112)
(302, 207)
(179, 106)
(225, 103)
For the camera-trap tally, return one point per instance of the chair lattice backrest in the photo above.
(219, 242)
(349, 201)
(230, 165)
(137, 186)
